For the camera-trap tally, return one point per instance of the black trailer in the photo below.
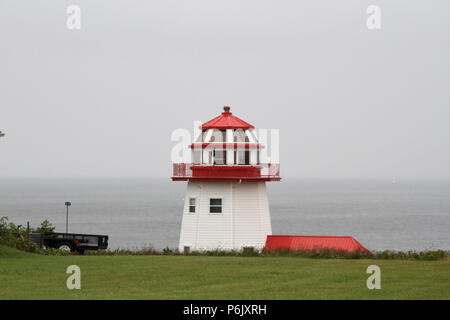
(70, 241)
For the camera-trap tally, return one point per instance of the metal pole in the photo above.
(67, 219)
(68, 204)
(28, 232)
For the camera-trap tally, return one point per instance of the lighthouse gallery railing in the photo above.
(259, 171)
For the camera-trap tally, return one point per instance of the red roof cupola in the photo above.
(226, 121)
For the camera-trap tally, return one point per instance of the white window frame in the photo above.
(216, 206)
(189, 205)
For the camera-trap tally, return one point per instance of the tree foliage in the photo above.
(16, 236)
(46, 226)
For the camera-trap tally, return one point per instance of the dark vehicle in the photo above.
(70, 241)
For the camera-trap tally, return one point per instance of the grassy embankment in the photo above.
(32, 276)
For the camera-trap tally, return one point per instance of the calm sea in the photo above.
(147, 212)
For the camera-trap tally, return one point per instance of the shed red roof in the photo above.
(309, 243)
(226, 121)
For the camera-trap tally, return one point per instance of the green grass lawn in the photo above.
(31, 276)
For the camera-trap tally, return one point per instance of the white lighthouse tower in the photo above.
(226, 205)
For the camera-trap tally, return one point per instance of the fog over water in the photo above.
(147, 212)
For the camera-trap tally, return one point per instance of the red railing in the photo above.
(188, 171)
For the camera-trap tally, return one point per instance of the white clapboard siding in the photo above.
(244, 221)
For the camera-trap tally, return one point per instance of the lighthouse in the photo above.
(225, 204)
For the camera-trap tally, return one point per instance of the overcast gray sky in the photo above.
(102, 101)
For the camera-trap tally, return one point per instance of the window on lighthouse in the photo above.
(218, 136)
(215, 205)
(192, 205)
(242, 157)
(240, 136)
(220, 156)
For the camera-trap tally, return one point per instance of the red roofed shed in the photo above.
(309, 243)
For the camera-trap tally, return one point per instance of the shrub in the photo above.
(315, 254)
(14, 236)
(55, 252)
(124, 252)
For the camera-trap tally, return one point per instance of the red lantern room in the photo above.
(226, 150)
